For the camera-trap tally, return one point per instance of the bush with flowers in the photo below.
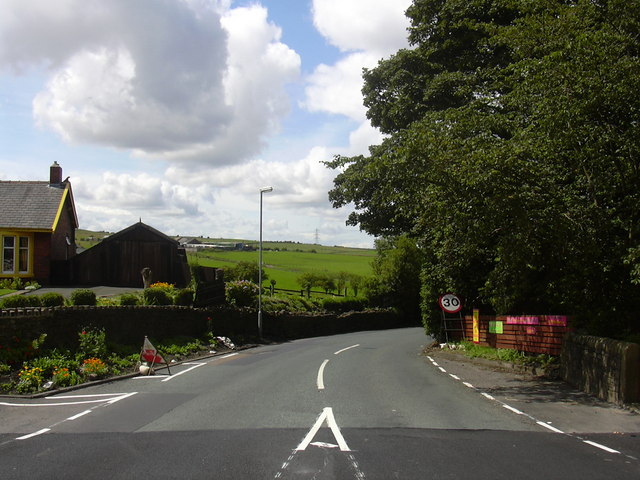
(94, 368)
(31, 379)
(159, 293)
(241, 293)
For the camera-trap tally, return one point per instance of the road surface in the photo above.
(360, 406)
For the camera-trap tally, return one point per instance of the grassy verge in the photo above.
(473, 350)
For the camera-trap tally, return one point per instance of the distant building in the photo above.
(38, 221)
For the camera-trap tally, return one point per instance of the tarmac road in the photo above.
(366, 405)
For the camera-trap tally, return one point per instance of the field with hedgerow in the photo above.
(286, 266)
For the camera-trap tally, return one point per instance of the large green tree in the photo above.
(511, 156)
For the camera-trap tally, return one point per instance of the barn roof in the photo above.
(138, 226)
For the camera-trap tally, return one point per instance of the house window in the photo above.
(15, 254)
(8, 254)
(23, 255)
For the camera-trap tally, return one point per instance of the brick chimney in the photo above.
(55, 174)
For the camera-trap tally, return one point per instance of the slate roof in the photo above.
(31, 205)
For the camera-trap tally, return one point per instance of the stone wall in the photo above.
(129, 325)
(603, 367)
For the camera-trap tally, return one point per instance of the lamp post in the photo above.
(262, 190)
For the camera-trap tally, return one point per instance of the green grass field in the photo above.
(286, 266)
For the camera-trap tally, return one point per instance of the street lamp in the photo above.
(262, 190)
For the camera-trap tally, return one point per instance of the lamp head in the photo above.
(266, 189)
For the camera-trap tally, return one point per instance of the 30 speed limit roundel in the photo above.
(450, 303)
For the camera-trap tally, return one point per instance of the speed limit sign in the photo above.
(450, 303)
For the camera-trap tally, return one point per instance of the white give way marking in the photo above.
(326, 415)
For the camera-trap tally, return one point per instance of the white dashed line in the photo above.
(81, 414)
(546, 425)
(519, 412)
(39, 432)
(602, 447)
(514, 410)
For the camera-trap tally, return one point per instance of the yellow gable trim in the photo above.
(60, 208)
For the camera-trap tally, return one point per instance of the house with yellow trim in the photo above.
(38, 222)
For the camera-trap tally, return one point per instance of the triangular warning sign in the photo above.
(325, 416)
(149, 353)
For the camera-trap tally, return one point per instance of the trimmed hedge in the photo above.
(83, 296)
(51, 299)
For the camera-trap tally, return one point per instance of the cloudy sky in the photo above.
(177, 112)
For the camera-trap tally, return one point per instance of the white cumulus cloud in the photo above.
(182, 80)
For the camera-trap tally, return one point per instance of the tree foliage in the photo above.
(244, 270)
(395, 282)
(511, 156)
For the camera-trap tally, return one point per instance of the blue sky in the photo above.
(176, 112)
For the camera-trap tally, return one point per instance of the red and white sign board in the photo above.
(150, 354)
(450, 303)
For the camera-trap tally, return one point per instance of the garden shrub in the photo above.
(129, 299)
(342, 304)
(51, 299)
(33, 300)
(241, 293)
(156, 296)
(83, 296)
(92, 342)
(184, 297)
(289, 303)
(15, 301)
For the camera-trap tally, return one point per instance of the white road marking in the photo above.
(514, 410)
(345, 349)
(81, 414)
(323, 444)
(442, 370)
(546, 425)
(93, 395)
(326, 415)
(320, 379)
(151, 377)
(542, 424)
(194, 366)
(602, 447)
(39, 432)
(229, 355)
(454, 376)
(102, 399)
(121, 397)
